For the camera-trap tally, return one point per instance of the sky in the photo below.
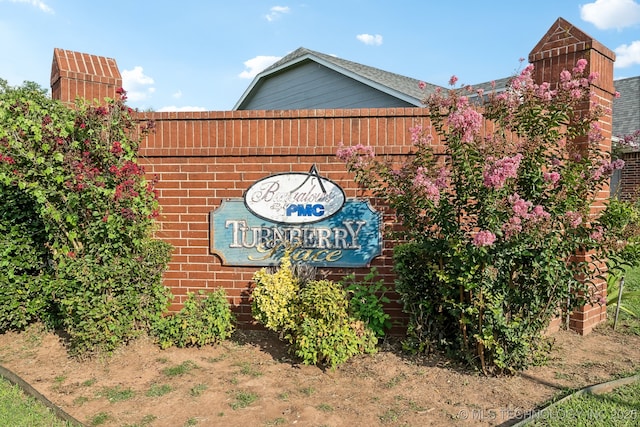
(193, 55)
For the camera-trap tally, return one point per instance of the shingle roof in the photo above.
(626, 117)
(403, 87)
(626, 109)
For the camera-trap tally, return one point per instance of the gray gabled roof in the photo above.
(626, 108)
(402, 87)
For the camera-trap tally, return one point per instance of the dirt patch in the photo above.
(252, 381)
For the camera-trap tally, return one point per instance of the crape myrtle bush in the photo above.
(492, 226)
(76, 220)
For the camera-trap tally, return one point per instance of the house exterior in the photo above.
(626, 120)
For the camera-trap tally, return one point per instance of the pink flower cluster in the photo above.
(465, 121)
(358, 156)
(574, 218)
(496, 172)
(523, 210)
(419, 136)
(551, 177)
(429, 187)
(597, 234)
(484, 238)
(606, 168)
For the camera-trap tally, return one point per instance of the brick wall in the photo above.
(202, 158)
(560, 48)
(630, 176)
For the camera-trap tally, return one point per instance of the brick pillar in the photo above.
(560, 48)
(75, 74)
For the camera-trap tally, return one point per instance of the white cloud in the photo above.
(606, 14)
(37, 3)
(256, 65)
(370, 39)
(627, 55)
(184, 108)
(136, 83)
(275, 12)
(178, 94)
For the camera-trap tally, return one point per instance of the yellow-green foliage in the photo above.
(275, 295)
(325, 333)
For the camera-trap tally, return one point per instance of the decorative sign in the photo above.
(349, 238)
(295, 198)
(301, 211)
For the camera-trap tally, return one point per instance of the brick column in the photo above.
(560, 48)
(75, 74)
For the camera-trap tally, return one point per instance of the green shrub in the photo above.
(314, 318)
(325, 333)
(111, 301)
(77, 220)
(23, 261)
(366, 299)
(205, 319)
(275, 295)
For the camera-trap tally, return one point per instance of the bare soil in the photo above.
(251, 380)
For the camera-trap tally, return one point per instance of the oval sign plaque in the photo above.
(295, 198)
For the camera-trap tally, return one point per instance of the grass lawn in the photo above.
(621, 407)
(18, 409)
(631, 300)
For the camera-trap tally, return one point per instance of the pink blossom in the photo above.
(419, 136)
(442, 179)
(466, 122)
(422, 85)
(565, 76)
(574, 218)
(580, 66)
(606, 168)
(425, 184)
(484, 238)
(497, 172)
(544, 92)
(512, 227)
(552, 177)
(453, 80)
(617, 94)
(521, 207)
(538, 213)
(359, 155)
(597, 234)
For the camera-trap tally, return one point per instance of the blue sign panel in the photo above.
(349, 238)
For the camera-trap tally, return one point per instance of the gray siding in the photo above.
(311, 86)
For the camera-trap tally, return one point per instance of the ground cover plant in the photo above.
(499, 225)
